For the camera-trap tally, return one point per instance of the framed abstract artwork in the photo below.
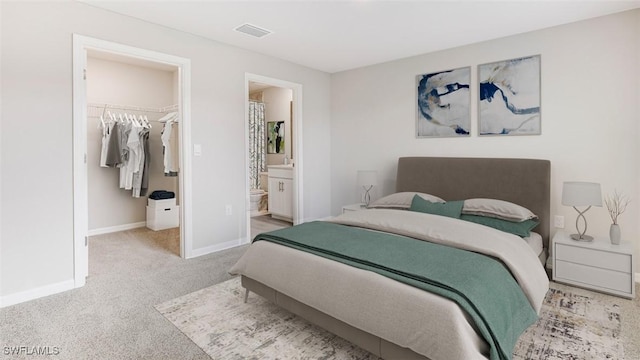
(443, 103)
(509, 97)
(275, 137)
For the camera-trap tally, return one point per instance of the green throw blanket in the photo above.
(479, 284)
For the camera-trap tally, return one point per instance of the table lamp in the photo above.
(367, 179)
(577, 193)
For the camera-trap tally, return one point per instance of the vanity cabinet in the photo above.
(281, 192)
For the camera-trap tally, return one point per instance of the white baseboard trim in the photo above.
(217, 247)
(112, 229)
(36, 293)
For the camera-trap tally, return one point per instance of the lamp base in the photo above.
(585, 238)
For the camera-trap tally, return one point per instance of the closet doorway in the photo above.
(136, 101)
(143, 91)
(273, 161)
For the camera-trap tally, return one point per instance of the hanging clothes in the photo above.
(144, 186)
(170, 143)
(139, 161)
(106, 127)
(125, 130)
(125, 145)
(113, 157)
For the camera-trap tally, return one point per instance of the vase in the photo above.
(614, 234)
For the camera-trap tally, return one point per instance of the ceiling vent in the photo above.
(252, 30)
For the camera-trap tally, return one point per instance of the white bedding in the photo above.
(535, 241)
(426, 323)
(519, 257)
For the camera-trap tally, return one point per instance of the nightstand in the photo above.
(597, 265)
(353, 207)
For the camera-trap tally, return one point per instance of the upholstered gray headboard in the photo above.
(525, 182)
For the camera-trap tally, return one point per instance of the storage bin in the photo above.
(160, 218)
(161, 203)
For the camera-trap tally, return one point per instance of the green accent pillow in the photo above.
(451, 209)
(522, 228)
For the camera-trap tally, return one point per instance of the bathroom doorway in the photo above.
(273, 158)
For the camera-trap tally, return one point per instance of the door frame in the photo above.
(80, 182)
(297, 140)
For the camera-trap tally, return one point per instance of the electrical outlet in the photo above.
(228, 210)
(558, 221)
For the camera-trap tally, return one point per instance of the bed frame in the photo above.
(525, 182)
(522, 181)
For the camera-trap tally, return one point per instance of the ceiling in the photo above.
(333, 36)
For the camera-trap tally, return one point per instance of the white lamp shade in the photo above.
(578, 193)
(367, 178)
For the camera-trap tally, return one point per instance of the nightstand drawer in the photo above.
(613, 280)
(593, 257)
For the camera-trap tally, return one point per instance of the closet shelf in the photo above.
(95, 110)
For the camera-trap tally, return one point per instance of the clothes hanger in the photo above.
(133, 120)
(168, 117)
(146, 120)
(140, 120)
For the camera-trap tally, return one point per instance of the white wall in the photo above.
(36, 122)
(590, 92)
(111, 82)
(278, 108)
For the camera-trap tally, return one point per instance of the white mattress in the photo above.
(535, 241)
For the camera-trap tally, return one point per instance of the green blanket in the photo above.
(479, 284)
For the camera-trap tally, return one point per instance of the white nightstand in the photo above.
(597, 265)
(353, 207)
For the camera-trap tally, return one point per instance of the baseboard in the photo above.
(112, 229)
(218, 247)
(36, 293)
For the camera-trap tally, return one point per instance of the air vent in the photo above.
(252, 30)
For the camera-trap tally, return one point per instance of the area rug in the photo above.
(218, 321)
(572, 327)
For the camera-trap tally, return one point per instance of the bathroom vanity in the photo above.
(281, 191)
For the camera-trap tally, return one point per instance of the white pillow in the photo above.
(498, 209)
(401, 200)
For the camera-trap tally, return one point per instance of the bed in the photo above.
(392, 319)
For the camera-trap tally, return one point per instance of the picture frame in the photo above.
(509, 94)
(443, 103)
(275, 137)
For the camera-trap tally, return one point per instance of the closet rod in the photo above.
(133, 108)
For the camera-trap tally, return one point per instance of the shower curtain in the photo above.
(257, 143)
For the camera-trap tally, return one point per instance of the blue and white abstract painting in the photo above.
(509, 97)
(443, 103)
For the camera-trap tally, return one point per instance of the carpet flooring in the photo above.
(112, 316)
(571, 326)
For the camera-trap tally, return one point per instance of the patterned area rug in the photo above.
(218, 321)
(572, 327)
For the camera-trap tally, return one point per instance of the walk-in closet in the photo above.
(133, 153)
